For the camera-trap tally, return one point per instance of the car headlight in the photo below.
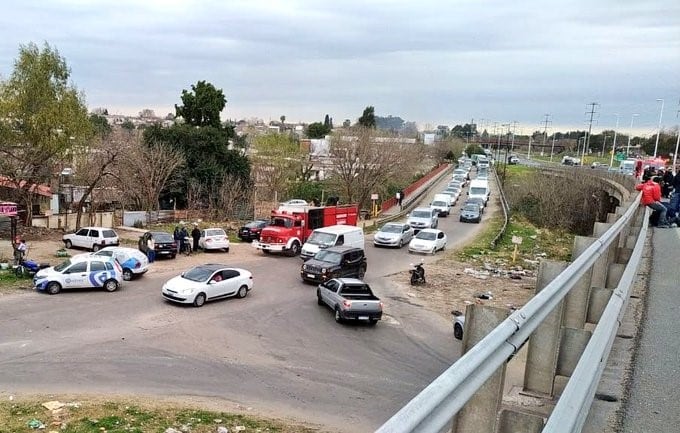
(186, 291)
(323, 270)
(304, 267)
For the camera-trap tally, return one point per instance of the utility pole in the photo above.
(658, 131)
(677, 144)
(630, 134)
(552, 148)
(586, 144)
(514, 127)
(545, 131)
(616, 130)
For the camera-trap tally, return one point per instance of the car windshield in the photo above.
(328, 256)
(63, 265)
(478, 190)
(421, 214)
(198, 274)
(439, 203)
(427, 236)
(321, 238)
(215, 232)
(254, 224)
(391, 228)
(471, 207)
(162, 237)
(281, 222)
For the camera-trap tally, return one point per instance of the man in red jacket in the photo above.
(651, 197)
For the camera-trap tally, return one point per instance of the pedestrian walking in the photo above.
(651, 197)
(151, 249)
(184, 236)
(196, 235)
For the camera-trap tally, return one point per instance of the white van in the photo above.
(331, 236)
(442, 204)
(479, 188)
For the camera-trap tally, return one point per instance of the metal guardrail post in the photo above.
(544, 344)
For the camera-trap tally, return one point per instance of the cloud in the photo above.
(430, 61)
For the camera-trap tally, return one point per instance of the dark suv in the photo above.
(334, 262)
(251, 230)
(164, 244)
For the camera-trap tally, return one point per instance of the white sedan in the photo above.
(214, 239)
(428, 241)
(132, 261)
(208, 283)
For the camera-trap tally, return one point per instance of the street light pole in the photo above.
(630, 134)
(552, 148)
(658, 131)
(616, 129)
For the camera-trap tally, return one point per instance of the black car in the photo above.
(334, 262)
(471, 212)
(252, 230)
(164, 244)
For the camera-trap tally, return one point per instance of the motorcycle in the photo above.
(28, 268)
(417, 274)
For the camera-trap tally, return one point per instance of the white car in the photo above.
(91, 238)
(393, 235)
(214, 239)
(87, 272)
(207, 283)
(423, 218)
(132, 261)
(428, 241)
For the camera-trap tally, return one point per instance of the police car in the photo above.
(80, 272)
(132, 261)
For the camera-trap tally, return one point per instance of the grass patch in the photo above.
(9, 281)
(126, 417)
(536, 243)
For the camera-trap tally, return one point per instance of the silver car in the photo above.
(393, 235)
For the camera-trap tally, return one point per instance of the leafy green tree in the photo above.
(202, 106)
(327, 122)
(317, 130)
(42, 118)
(474, 149)
(275, 160)
(367, 119)
(127, 125)
(100, 125)
(389, 123)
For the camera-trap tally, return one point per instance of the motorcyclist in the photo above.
(418, 273)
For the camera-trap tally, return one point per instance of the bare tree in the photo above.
(146, 170)
(276, 159)
(232, 193)
(98, 163)
(366, 163)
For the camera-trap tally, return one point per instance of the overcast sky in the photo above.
(433, 62)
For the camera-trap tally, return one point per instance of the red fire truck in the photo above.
(290, 226)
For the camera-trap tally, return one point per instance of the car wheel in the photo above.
(127, 274)
(68, 244)
(226, 250)
(372, 322)
(242, 292)
(294, 249)
(266, 251)
(95, 247)
(199, 300)
(401, 243)
(173, 256)
(53, 288)
(338, 317)
(362, 272)
(111, 285)
(319, 301)
(458, 331)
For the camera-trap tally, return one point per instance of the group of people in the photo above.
(658, 184)
(181, 234)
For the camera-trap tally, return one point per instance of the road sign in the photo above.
(517, 240)
(374, 196)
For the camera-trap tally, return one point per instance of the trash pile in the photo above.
(488, 270)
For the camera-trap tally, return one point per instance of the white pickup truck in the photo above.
(350, 298)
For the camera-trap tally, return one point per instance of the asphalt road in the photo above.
(275, 351)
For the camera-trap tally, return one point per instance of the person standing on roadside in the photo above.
(151, 249)
(651, 197)
(178, 239)
(196, 235)
(667, 183)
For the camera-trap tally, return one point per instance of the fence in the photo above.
(590, 290)
(67, 221)
(414, 186)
